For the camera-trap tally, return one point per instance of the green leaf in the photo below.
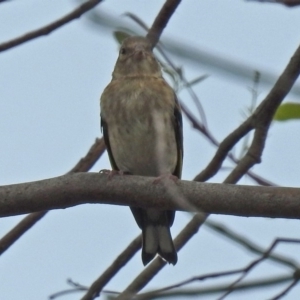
(287, 111)
(120, 36)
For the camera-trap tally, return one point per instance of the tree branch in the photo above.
(162, 20)
(289, 3)
(96, 287)
(83, 165)
(76, 13)
(263, 116)
(262, 283)
(80, 188)
(249, 245)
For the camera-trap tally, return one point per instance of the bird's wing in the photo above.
(108, 148)
(137, 212)
(177, 124)
(177, 121)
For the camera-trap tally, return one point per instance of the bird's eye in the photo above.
(123, 51)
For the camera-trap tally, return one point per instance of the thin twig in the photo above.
(76, 287)
(112, 270)
(76, 13)
(137, 191)
(83, 165)
(184, 293)
(154, 293)
(286, 290)
(247, 244)
(207, 173)
(224, 148)
(260, 120)
(265, 254)
(289, 3)
(263, 115)
(253, 264)
(23, 226)
(162, 20)
(159, 47)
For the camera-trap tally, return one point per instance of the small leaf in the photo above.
(287, 111)
(171, 73)
(120, 36)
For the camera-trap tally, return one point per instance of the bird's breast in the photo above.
(139, 116)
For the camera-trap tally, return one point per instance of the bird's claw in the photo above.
(163, 177)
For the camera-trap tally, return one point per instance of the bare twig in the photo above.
(249, 245)
(112, 270)
(260, 121)
(154, 293)
(286, 290)
(263, 115)
(289, 3)
(76, 287)
(23, 226)
(253, 264)
(162, 20)
(184, 293)
(207, 172)
(83, 165)
(94, 153)
(225, 146)
(76, 13)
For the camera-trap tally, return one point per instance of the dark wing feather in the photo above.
(107, 144)
(179, 137)
(179, 140)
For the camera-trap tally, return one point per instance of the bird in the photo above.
(141, 123)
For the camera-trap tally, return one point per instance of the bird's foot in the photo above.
(165, 176)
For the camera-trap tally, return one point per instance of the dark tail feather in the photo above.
(150, 243)
(166, 247)
(157, 239)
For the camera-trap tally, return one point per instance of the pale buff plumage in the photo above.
(142, 128)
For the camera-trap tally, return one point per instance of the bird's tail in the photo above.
(158, 239)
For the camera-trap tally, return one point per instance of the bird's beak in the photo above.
(139, 52)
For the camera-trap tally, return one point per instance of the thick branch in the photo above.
(76, 13)
(83, 165)
(75, 189)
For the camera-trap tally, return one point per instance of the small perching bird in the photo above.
(142, 128)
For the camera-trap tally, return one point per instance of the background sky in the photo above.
(49, 117)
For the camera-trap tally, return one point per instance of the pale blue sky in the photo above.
(49, 117)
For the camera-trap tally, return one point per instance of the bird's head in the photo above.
(136, 58)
